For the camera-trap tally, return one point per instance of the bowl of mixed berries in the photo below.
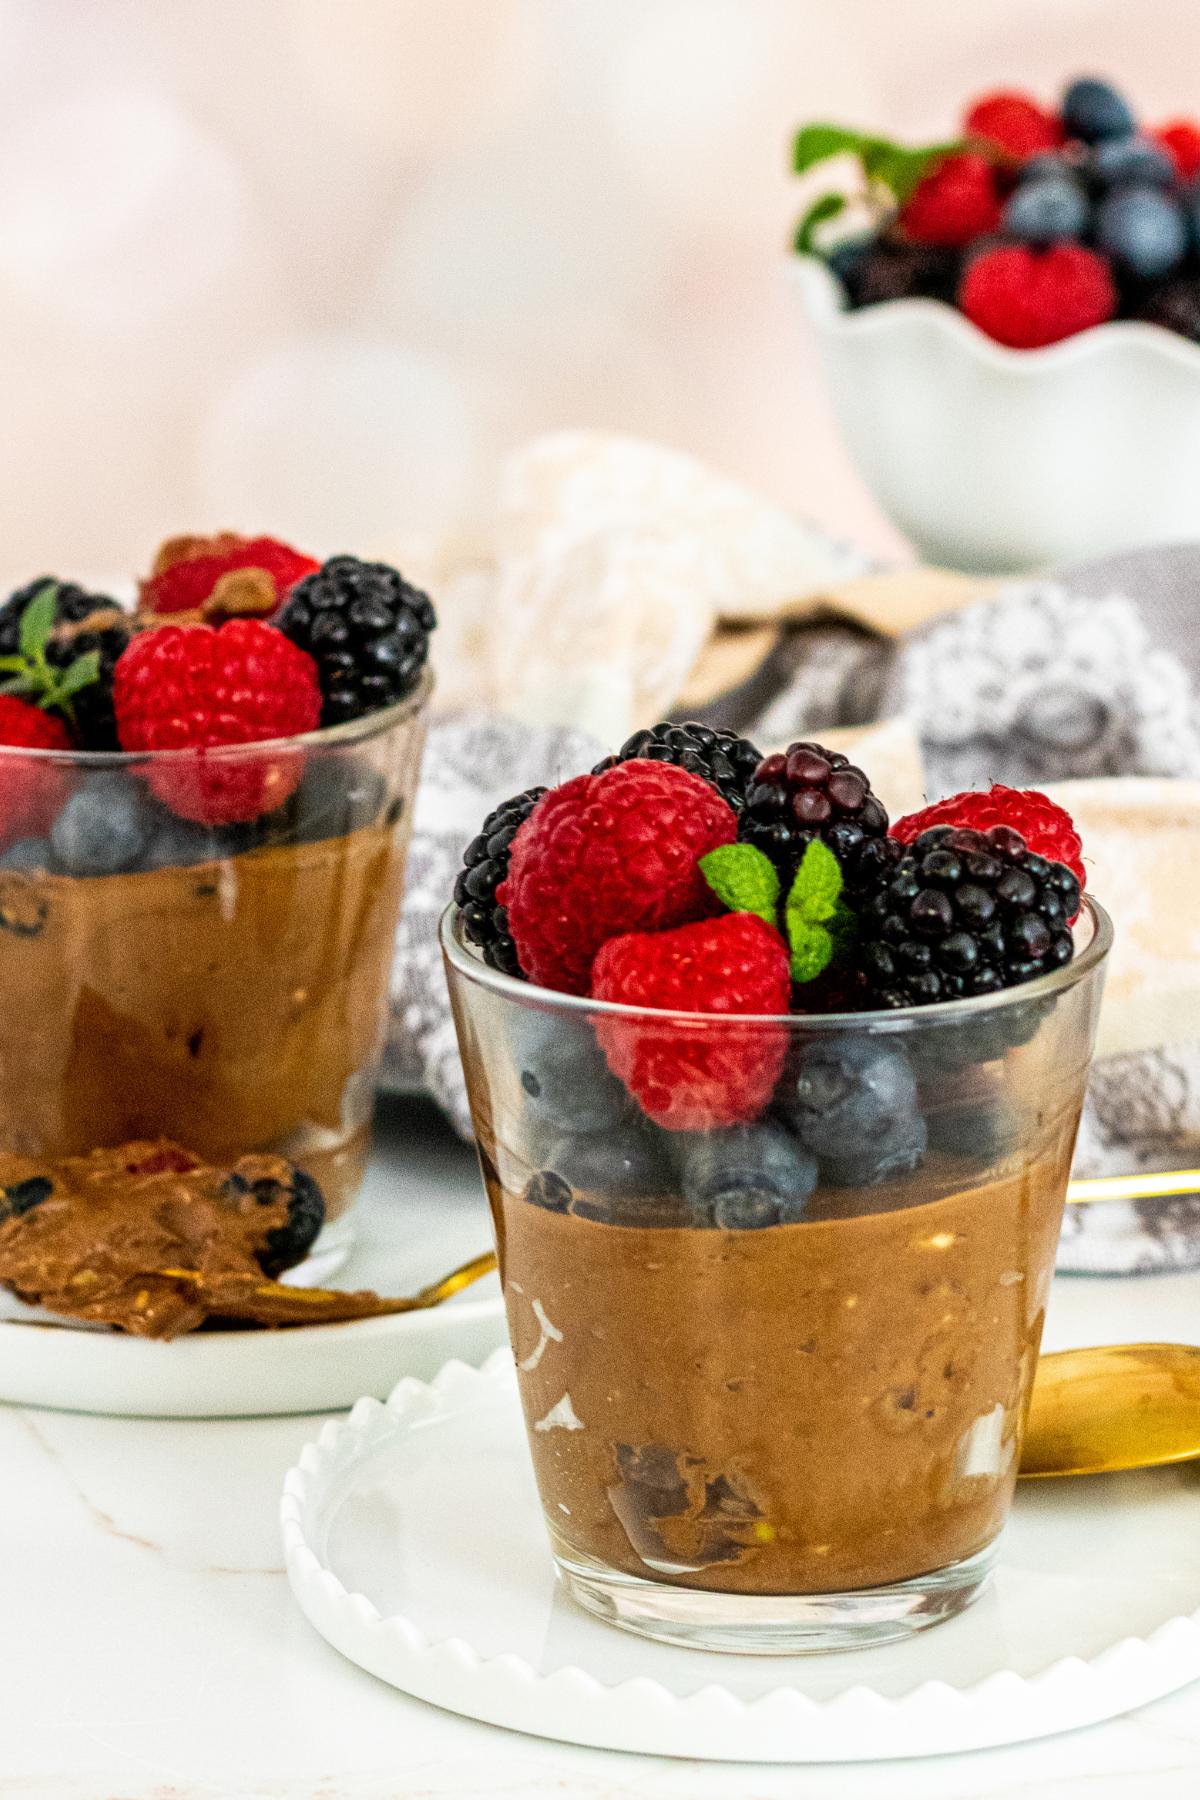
(1010, 322)
(204, 809)
(775, 1104)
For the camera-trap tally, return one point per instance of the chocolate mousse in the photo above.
(806, 1408)
(234, 1005)
(133, 1236)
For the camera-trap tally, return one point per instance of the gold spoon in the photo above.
(1114, 1406)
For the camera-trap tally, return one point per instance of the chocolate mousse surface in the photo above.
(233, 1006)
(806, 1408)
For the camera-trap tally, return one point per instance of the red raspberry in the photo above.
(688, 1077)
(605, 854)
(190, 687)
(188, 570)
(1181, 140)
(954, 203)
(1015, 123)
(1027, 298)
(31, 791)
(1047, 828)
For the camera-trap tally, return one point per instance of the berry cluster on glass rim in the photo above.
(1037, 222)
(234, 641)
(689, 873)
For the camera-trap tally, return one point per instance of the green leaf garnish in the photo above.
(891, 169)
(827, 207)
(79, 674)
(743, 879)
(37, 622)
(31, 672)
(815, 918)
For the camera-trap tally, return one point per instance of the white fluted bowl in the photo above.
(999, 460)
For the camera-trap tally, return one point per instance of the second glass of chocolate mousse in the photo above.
(196, 936)
(775, 1374)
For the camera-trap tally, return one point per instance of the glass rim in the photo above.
(371, 725)
(942, 1012)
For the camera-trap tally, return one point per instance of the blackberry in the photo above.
(891, 268)
(1175, 304)
(725, 761)
(485, 864)
(83, 622)
(809, 792)
(958, 913)
(367, 630)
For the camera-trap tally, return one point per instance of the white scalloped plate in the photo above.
(414, 1544)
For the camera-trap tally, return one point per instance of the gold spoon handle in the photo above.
(1160, 1184)
(298, 1305)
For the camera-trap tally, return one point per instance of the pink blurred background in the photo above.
(311, 265)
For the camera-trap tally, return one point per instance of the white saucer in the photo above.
(421, 1214)
(414, 1544)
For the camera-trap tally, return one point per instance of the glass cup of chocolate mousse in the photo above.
(220, 985)
(775, 1374)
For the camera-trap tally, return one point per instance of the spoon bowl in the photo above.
(1112, 1407)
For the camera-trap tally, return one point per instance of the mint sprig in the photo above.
(899, 167)
(891, 172)
(816, 919)
(744, 880)
(819, 213)
(30, 673)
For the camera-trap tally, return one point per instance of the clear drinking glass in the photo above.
(775, 1377)
(222, 985)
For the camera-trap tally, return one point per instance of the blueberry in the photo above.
(1046, 210)
(620, 1162)
(23, 1196)
(888, 1156)
(848, 1094)
(746, 1177)
(103, 828)
(28, 855)
(1130, 159)
(565, 1080)
(1047, 163)
(846, 261)
(1092, 110)
(984, 1131)
(178, 844)
(337, 794)
(1143, 229)
(290, 1243)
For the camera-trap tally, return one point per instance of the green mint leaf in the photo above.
(815, 144)
(827, 207)
(814, 914)
(79, 674)
(898, 167)
(818, 885)
(743, 879)
(812, 950)
(20, 684)
(37, 622)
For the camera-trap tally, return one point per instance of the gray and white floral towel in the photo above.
(1095, 673)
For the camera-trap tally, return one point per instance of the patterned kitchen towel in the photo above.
(1093, 674)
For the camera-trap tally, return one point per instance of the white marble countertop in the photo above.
(150, 1648)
